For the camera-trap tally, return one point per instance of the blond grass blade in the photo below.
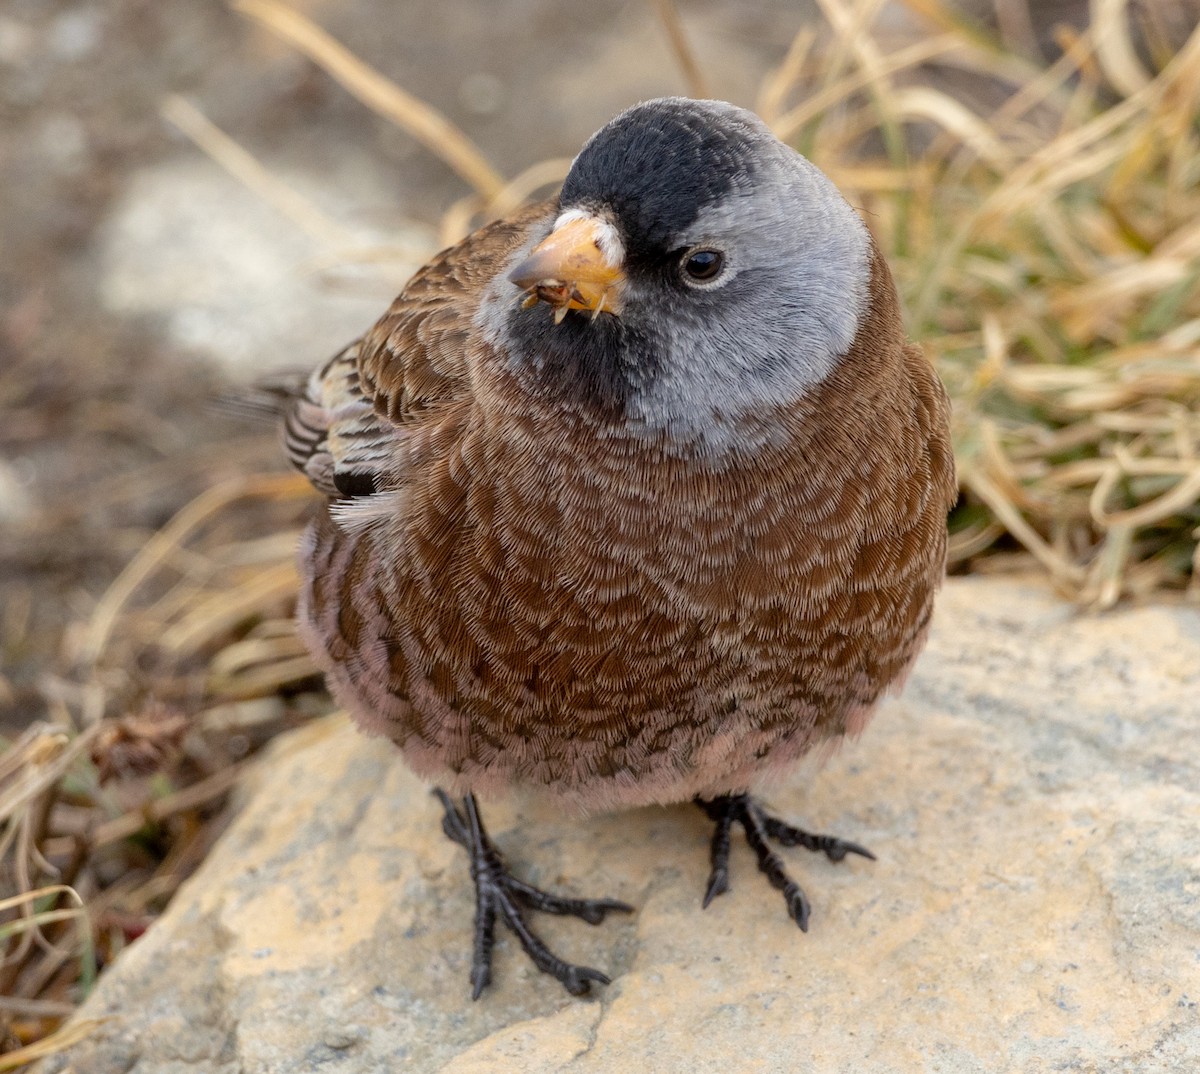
(1068, 574)
(518, 189)
(851, 25)
(1082, 472)
(28, 926)
(950, 20)
(1143, 467)
(1105, 581)
(1046, 85)
(35, 921)
(1146, 149)
(15, 901)
(786, 126)
(1193, 589)
(1034, 381)
(1114, 49)
(426, 124)
(668, 15)
(1001, 471)
(458, 220)
(778, 84)
(1182, 496)
(920, 102)
(1185, 427)
(159, 809)
(1183, 337)
(46, 759)
(261, 550)
(162, 545)
(61, 1039)
(1184, 241)
(240, 656)
(36, 744)
(990, 54)
(838, 141)
(242, 165)
(1181, 108)
(220, 612)
(995, 352)
(1045, 178)
(1061, 232)
(1034, 180)
(1086, 96)
(262, 681)
(970, 543)
(1102, 304)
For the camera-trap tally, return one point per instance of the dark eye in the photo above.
(703, 264)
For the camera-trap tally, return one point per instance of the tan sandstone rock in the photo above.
(1034, 799)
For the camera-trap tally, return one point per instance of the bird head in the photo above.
(695, 268)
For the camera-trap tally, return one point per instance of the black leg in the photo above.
(498, 891)
(718, 880)
(760, 827)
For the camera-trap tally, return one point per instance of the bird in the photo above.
(634, 497)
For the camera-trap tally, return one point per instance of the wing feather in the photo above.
(346, 426)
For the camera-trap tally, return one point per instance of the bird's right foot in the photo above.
(497, 891)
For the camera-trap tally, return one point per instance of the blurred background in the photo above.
(194, 193)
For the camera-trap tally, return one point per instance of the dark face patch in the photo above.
(658, 165)
(598, 363)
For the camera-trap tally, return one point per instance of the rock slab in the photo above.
(1034, 799)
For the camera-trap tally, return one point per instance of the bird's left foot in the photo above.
(760, 826)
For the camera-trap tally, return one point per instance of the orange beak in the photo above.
(574, 268)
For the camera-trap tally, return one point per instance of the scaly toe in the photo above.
(499, 894)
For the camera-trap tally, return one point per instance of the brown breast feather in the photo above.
(529, 603)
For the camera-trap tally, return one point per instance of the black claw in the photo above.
(481, 977)
(453, 823)
(834, 849)
(580, 979)
(718, 884)
(718, 878)
(497, 891)
(840, 848)
(758, 827)
(798, 905)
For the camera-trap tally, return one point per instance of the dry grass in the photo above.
(1048, 248)
(108, 806)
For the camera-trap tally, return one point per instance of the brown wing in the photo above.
(414, 359)
(332, 434)
(343, 431)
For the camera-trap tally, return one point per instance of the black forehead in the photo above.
(659, 164)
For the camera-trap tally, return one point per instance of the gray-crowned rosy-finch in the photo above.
(636, 496)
